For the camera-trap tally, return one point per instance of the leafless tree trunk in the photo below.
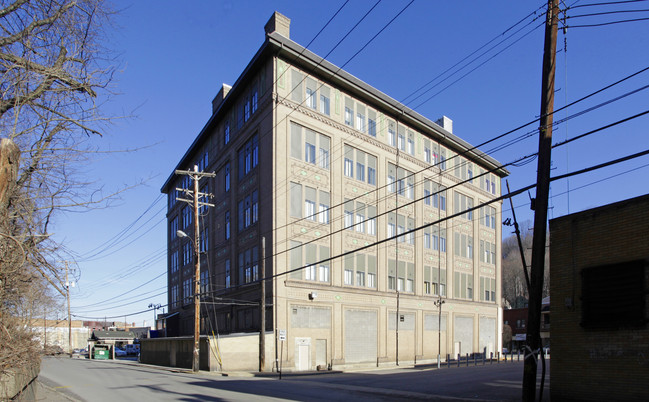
(514, 288)
(55, 77)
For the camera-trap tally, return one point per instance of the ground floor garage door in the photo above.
(360, 336)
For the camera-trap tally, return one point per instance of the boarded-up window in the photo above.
(614, 296)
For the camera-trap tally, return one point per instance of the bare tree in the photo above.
(514, 286)
(55, 78)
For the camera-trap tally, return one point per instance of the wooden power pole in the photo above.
(196, 204)
(533, 340)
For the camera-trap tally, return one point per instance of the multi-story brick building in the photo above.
(600, 289)
(337, 177)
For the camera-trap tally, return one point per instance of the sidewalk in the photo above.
(46, 393)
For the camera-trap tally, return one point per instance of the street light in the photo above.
(438, 303)
(197, 291)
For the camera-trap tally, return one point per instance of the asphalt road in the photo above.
(90, 380)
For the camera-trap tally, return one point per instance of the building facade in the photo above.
(600, 275)
(369, 213)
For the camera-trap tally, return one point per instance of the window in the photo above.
(371, 174)
(187, 216)
(462, 204)
(434, 280)
(323, 211)
(349, 168)
(228, 275)
(371, 127)
(463, 285)
(187, 253)
(487, 289)
(411, 143)
(442, 162)
(371, 280)
(171, 199)
(173, 228)
(205, 284)
(463, 245)
(349, 113)
(402, 275)
(360, 278)
(227, 225)
(405, 184)
(364, 162)
(255, 206)
(310, 273)
(248, 156)
(349, 214)
(371, 220)
(227, 177)
(360, 270)
(174, 262)
(174, 296)
(255, 99)
(349, 278)
(488, 217)
(401, 144)
(360, 217)
(202, 209)
(303, 205)
(311, 98)
(324, 101)
(487, 252)
(392, 134)
(324, 157)
(248, 210)
(427, 151)
(204, 240)
(360, 122)
(305, 143)
(188, 292)
(297, 78)
(309, 210)
(246, 109)
(226, 133)
(360, 171)
(323, 272)
(442, 241)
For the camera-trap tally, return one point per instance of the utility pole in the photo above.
(262, 307)
(541, 206)
(196, 176)
(67, 290)
(438, 303)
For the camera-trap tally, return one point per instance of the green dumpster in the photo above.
(101, 353)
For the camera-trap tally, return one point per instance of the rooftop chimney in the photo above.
(280, 24)
(445, 123)
(218, 99)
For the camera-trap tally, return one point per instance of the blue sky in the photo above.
(175, 57)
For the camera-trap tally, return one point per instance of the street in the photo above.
(91, 380)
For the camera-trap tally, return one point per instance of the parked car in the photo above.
(52, 350)
(119, 352)
(80, 353)
(132, 349)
